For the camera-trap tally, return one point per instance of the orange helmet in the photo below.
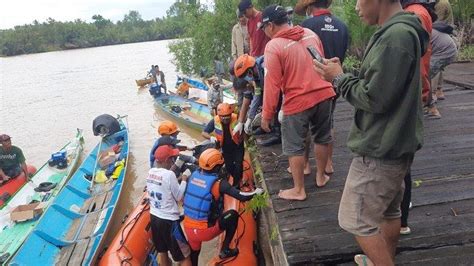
(242, 64)
(224, 109)
(167, 128)
(210, 158)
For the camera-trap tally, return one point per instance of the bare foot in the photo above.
(322, 183)
(329, 169)
(291, 194)
(306, 171)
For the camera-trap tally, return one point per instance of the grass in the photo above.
(466, 53)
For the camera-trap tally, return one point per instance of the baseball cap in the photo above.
(244, 4)
(4, 137)
(164, 152)
(273, 13)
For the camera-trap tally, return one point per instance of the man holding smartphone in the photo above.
(306, 96)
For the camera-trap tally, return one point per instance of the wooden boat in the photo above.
(245, 238)
(71, 230)
(13, 234)
(145, 81)
(188, 112)
(133, 242)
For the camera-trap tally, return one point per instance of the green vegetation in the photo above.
(54, 35)
(466, 52)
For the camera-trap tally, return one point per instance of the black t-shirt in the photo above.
(333, 34)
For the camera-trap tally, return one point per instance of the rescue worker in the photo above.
(223, 125)
(168, 131)
(204, 218)
(164, 193)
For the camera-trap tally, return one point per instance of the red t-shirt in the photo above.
(289, 69)
(258, 39)
(427, 24)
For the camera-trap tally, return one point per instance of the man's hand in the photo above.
(265, 125)
(259, 191)
(213, 139)
(248, 126)
(186, 174)
(329, 69)
(238, 128)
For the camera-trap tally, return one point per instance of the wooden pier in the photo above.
(442, 218)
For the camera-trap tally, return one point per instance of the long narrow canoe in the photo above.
(13, 234)
(71, 230)
(188, 112)
(12, 186)
(144, 81)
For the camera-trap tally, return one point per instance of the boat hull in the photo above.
(133, 242)
(187, 112)
(72, 229)
(12, 234)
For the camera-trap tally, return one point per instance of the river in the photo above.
(45, 97)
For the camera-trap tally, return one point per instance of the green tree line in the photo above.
(55, 35)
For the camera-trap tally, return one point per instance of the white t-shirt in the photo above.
(164, 192)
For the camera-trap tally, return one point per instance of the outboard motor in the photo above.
(105, 125)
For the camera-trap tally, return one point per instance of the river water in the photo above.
(45, 97)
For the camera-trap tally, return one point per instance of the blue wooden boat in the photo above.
(188, 112)
(71, 230)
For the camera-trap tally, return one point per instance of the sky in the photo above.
(20, 12)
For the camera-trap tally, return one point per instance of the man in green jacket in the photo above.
(387, 128)
(12, 160)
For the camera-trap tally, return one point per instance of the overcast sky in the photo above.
(20, 12)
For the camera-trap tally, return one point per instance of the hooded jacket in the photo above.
(289, 69)
(388, 119)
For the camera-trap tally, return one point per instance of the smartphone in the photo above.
(315, 54)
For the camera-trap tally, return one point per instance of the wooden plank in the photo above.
(77, 255)
(65, 254)
(443, 216)
(75, 226)
(448, 255)
(89, 225)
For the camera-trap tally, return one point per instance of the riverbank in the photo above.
(442, 218)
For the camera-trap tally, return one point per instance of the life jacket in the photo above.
(218, 129)
(198, 199)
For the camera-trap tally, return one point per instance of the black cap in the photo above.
(273, 13)
(244, 4)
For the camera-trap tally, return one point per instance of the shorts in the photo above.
(12, 172)
(168, 236)
(438, 65)
(197, 236)
(294, 128)
(333, 110)
(373, 193)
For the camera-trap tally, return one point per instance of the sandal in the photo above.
(361, 259)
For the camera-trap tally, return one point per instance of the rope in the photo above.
(132, 222)
(237, 240)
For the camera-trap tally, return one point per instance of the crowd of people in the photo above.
(288, 78)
